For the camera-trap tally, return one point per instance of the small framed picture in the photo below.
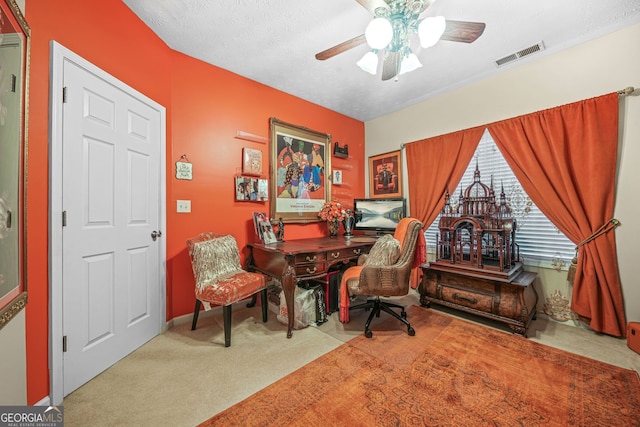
(243, 188)
(385, 175)
(184, 170)
(268, 236)
(251, 189)
(337, 177)
(259, 218)
(251, 161)
(263, 190)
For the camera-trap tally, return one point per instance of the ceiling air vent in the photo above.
(520, 54)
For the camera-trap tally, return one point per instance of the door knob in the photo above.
(155, 234)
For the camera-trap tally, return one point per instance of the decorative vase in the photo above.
(348, 224)
(334, 227)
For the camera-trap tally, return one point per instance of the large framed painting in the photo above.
(299, 168)
(385, 175)
(14, 69)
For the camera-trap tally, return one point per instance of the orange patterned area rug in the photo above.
(452, 372)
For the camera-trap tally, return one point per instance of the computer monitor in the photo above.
(379, 215)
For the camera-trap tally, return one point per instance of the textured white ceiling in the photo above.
(274, 42)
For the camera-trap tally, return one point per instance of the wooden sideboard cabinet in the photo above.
(510, 299)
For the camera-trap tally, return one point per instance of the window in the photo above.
(541, 243)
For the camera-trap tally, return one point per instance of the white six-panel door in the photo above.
(112, 284)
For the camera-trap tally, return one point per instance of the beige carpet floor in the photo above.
(183, 377)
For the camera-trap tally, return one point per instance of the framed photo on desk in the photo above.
(300, 161)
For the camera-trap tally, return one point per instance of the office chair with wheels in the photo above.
(384, 272)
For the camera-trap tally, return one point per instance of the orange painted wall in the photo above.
(205, 107)
(209, 106)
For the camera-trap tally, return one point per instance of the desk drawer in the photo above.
(310, 258)
(345, 254)
(310, 269)
(468, 298)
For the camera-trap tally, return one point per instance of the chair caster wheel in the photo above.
(411, 331)
(369, 334)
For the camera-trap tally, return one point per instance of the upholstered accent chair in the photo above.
(384, 272)
(220, 280)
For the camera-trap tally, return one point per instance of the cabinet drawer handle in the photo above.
(310, 271)
(311, 259)
(335, 254)
(357, 251)
(460, 297)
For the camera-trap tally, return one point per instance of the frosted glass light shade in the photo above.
(379, 33)
(430, 30)
(369, 63)
(409, 63)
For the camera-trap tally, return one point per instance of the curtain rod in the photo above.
(622, 92)
(626, 91)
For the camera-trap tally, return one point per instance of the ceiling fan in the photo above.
(395, 21)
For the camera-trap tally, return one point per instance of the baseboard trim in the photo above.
(187, 318)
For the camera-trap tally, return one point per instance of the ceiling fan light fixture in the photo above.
(379, 33)
(430, 30)
(369, 63)
(409, 63)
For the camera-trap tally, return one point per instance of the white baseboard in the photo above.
(187, 318)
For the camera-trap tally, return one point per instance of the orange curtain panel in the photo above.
(435, 165)
(565, 159)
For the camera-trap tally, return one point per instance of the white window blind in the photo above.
(540, 242)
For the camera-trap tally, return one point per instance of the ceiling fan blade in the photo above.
(342, 47)
(463, 31)
(372, 5)
(391, 65)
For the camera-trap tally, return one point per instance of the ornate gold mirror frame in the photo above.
(14, 71)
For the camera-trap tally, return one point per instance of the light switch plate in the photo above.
(183, 206)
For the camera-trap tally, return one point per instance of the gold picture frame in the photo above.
(385, 175)
(300, 164)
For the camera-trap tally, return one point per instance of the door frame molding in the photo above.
(60, 54)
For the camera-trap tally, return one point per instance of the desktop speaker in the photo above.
(633, 336)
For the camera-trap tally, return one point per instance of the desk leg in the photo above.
(289, 287)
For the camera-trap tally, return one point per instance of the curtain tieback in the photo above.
(607, 226)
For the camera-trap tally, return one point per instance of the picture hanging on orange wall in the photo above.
(249, 188)
(300, 168)
(251, 161)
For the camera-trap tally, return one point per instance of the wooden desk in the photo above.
(303, 259)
